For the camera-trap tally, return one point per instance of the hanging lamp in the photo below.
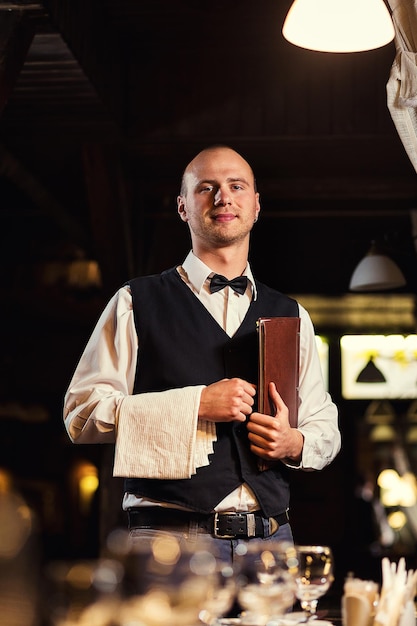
(376, 272)
(339, 25)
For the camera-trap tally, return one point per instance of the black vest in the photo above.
(180, 344)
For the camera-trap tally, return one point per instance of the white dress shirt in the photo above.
(100, 406)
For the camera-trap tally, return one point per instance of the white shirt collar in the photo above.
(198, 272)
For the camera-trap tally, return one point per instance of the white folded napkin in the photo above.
(397, 591)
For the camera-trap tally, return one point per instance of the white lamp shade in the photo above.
(376, 272)
(339, 25)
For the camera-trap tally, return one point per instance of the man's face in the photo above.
(219, 200)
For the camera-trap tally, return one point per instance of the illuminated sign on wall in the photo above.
(379, 366)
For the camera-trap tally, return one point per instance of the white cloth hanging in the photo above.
(402, 83)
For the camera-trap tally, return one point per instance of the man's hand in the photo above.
(228, 400)
(271, 437)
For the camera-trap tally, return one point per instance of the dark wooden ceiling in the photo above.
(102, 103)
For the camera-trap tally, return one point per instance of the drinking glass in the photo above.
(170, 582)
(314, 576)
(221, 593)
(266, 581)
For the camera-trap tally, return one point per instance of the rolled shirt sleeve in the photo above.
(157, 435)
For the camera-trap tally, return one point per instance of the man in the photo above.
(169, 375)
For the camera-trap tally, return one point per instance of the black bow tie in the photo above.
(218, 282)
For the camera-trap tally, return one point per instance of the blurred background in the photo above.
(102, 104)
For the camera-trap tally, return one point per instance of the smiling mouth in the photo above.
(224, 217)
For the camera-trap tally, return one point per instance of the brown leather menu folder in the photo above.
(279, 358)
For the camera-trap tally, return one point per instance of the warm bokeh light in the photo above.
(397, 520)
(86, 478)
(388, 479)
(397, 490)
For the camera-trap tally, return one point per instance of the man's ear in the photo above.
(257, 206)
(181, 208)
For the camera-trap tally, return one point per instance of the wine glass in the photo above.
(314, 576)
(170, 582)
(266, 581)
(221, 593)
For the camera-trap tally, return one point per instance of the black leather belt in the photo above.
(222, 525)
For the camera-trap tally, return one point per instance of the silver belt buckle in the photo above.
(250, 526)
(216, 529)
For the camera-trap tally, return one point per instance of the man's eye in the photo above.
(206, 189)
(237, 186)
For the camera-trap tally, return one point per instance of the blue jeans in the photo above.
(225, 549)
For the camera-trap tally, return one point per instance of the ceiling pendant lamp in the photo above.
(370, 373)
(339, 25)
(376, 272)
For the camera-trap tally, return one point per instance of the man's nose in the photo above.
(222, 197)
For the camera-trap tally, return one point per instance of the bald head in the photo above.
(212, 154)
